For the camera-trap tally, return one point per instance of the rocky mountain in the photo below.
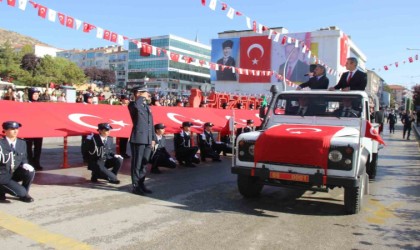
(17, 39)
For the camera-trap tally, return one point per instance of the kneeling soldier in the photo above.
(100, 155)
(14, 165)
(209, 148)
(184, 152)
(161, 156)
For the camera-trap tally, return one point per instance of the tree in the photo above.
(416, 95)
(108, 76)
(104, 75)
(29, 63)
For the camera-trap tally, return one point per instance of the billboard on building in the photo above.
(256, 54)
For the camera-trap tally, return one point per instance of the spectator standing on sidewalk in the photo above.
(392, 119)
(407, 119)
(34, 144)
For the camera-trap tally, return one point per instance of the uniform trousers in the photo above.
(16, 189)
(34, 156)
(140, 154)
(100, 168)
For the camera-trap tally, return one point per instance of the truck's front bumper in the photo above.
(318, 179)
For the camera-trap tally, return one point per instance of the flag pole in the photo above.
(232, 126)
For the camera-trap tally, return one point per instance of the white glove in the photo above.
(89, 137)
(172, 159)
(118, 156)
(28, 167)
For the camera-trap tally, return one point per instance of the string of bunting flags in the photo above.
(71, 22)
(260, 29)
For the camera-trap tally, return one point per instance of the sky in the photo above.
(382, 29)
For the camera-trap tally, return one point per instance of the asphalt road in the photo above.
(200, 208)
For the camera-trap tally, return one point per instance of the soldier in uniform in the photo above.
(34, 156)
(210, 148)
(142, 138)
(161, 156)
(14, 165)
(101, 158)
(184, 152)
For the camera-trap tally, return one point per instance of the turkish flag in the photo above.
(174, 57)
(146, 49)
(114, 37)
(107, 35)
(344, 48)
(386, 67)
(410, 59)
(88, 27)
(370, 132)
(62, 18)
(42, 11)
(255, 54)
(11, 2)
(70, 22)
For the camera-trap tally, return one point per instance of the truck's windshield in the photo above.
(319, 105)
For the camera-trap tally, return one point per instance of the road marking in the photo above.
(381, 213)
(38, 234)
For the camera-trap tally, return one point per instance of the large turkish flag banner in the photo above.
(255, 55)
(73, 119)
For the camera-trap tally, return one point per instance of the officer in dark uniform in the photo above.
(101, 158)
(184, 152)
(249, 126)
(161, 156)
(124, 101)
(210, 148)
(88, 98)
(142, 138)
(14, 165)
(34, 156)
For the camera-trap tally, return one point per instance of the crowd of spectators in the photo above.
(98, 95)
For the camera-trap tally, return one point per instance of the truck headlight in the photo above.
(246, 150)
(251, 150)
(335, 156)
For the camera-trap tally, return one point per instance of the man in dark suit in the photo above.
(296, 69)
(142, 138)
(184, 151)
(249, 126)
(346, 109)
(101, 156)
(318, 81)
(353, 79)
(226, 73)
(303, 109)
(161, 156)
(14, 165)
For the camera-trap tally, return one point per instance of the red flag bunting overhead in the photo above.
(224, 6)
(203, 2)
(410, 59)
(61, 18)
(107, 34)
(11, 3)
(386, 67)
(174, 57)
(42, 11)
(146, 48)
(88, 27)
(70, 22)
(114, 37)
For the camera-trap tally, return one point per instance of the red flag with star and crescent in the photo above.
(11, 2)
(61, 18)
(70, 22)
(42, 11)
(371, 132)
(255, 54)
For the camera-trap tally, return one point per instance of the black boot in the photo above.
(143, 187)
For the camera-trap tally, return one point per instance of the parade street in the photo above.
(201, 208)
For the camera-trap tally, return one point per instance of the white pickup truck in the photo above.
(315, 148)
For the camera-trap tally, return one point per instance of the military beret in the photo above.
(227, 43)
(11, 125)
(104, 126)
(160, 126)
(208, 124)
(186, 124)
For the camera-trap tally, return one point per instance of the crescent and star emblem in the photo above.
(255, 46)
(373, 131)
(299, 130)
(77, 118)
(172, 116)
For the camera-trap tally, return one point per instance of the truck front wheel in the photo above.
(353, 196)
(249, 186)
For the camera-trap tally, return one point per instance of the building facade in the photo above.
(114, 58)
(165, 75)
